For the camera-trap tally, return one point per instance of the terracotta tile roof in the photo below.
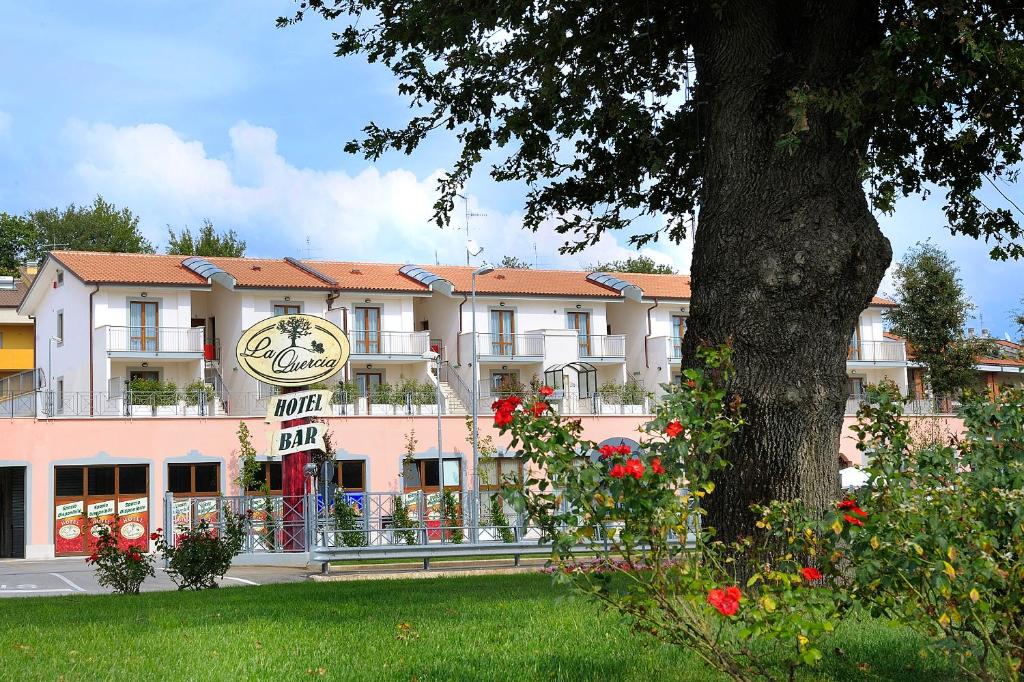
(878, 300)
(268, 273)
(522, 282)
(983, 360)
(367, 276)
(11, 298)
(127, 268)
(658, 286)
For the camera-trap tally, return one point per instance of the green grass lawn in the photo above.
(488, 627)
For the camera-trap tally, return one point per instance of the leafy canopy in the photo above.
(98, 227)
(597, 107)
(513, 263)
(207, 242)
(637, 264)
(932, 309)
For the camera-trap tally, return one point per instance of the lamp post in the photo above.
(482, 270)
(431, 356)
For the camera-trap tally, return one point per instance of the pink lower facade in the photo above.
(38, 448)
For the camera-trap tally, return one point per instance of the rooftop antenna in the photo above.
(309, 249)
(53, 246)
(465, 202)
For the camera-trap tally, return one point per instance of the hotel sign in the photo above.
(292, 350)
(298, 405)
(297, 439)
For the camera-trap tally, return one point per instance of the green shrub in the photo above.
(453, 518)
(348, 521)
(202, 554)
(121, 569)
(401, 521)
(499, 520)
(197, 389)
(153, 392)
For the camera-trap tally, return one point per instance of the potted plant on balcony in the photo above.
(383, 398)
(343, 398)
(160, 396)
(634, 397)
(200, 398)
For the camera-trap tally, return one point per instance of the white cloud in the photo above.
(275, 205)
(5, 123)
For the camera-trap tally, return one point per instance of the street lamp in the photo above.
(482, 270)
(431, 356)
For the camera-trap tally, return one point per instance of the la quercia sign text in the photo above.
(292, 350)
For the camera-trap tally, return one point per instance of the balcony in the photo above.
(153, 342)
(510, 347)
(877, 352)
(385, 345)
(603, 348)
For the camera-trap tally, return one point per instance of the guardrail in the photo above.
(369, 342)
(610, 346)
(510, 345)
(941, 405)
(154, 339)
(877, 351)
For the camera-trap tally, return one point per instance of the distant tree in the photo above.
(932, 308)
(208, 242)
(16, 235)
(1018, 319)
(638, 264)
(99, 227)
(514, 263)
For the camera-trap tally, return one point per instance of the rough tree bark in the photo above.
(787, 253)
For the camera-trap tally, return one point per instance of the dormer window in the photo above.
(60, 278)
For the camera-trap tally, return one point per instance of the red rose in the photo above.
(674, 428)
(635, 468)
(810, 573)
(851, 505)
(617, 471)
(727, 601)
(502, 417)
(93, 558)
(853, 520)
(539, 408)
(656, 466)
(546, 391)
(513, 400)
(154, 536)
(691, 383)
(606, 451)
(624, 449)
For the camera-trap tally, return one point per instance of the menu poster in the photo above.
(433, 514)
(101, 515)
(133, 522)
(206, 510)
(182, 514)
(70, 520)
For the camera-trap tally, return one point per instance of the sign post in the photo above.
(294, 352)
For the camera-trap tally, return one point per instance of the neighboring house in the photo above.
(107, 323)
(16, 330)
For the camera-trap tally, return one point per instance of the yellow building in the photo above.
(17, 332)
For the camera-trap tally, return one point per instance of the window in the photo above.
(581, 323)
(368, 382)
(69, 481)
(273, 471)
(60, 326)
(422, 475)
(60, 395)
(503, 329)
(505, 382)
(1, 340)
(678, 332)
(498, 471)
(60, 278)
(194, 479)
(350, 475)
(144, 322)
(855, 387)
(855, 347)
(108, 487)
(287, 309)
(366, 330)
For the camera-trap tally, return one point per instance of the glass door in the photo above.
(581, 323)
(367, 330)
(369, 382)
(503, 329)
(144, 320)
(678, 332)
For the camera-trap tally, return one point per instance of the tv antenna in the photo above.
(309, 249)
(53, 245)
(465, 202)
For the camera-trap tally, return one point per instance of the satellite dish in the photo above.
(473, 248)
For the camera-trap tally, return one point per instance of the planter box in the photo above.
(343, 409)
(388, 410)
(425, 409)
(167, 410)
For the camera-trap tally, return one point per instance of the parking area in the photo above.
(52, 577)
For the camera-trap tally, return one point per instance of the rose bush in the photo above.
(202, 554)
(636, 510)
(121, 568)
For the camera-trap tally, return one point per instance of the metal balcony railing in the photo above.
(155, 339)
(675, 347)
(371, 342)
(877, 351)
(611, 346)
(510, 345)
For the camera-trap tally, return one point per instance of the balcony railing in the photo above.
(675, 347)
(370, 342)
(877, 351)
(155, 339)
(612, 346)
(510, 345)
(915, 406)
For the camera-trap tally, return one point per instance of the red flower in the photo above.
(607, 451)
(635, 468)
(539, 408)
(618, 471)
(727, 601)
(623, 449)
(154, 536)
(503, 417)
(674, 428)
(810, 573)
(691, 383)
(656, 466)
(851, 505)
(93, 558)
(545, 391)
(514, 400)
(853, 520)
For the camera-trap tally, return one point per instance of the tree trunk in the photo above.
(787, 253)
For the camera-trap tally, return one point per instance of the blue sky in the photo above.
(186, 110)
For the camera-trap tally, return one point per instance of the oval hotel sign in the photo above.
(292, 350)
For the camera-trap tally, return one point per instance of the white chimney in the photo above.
(984, 333)
(970, 332)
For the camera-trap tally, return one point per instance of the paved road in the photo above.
(19, 578)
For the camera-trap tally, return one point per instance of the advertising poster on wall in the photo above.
(206, 510)
(182, 513)
(101, 515)
(70, 522)
(433, 516)
(133, 522)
